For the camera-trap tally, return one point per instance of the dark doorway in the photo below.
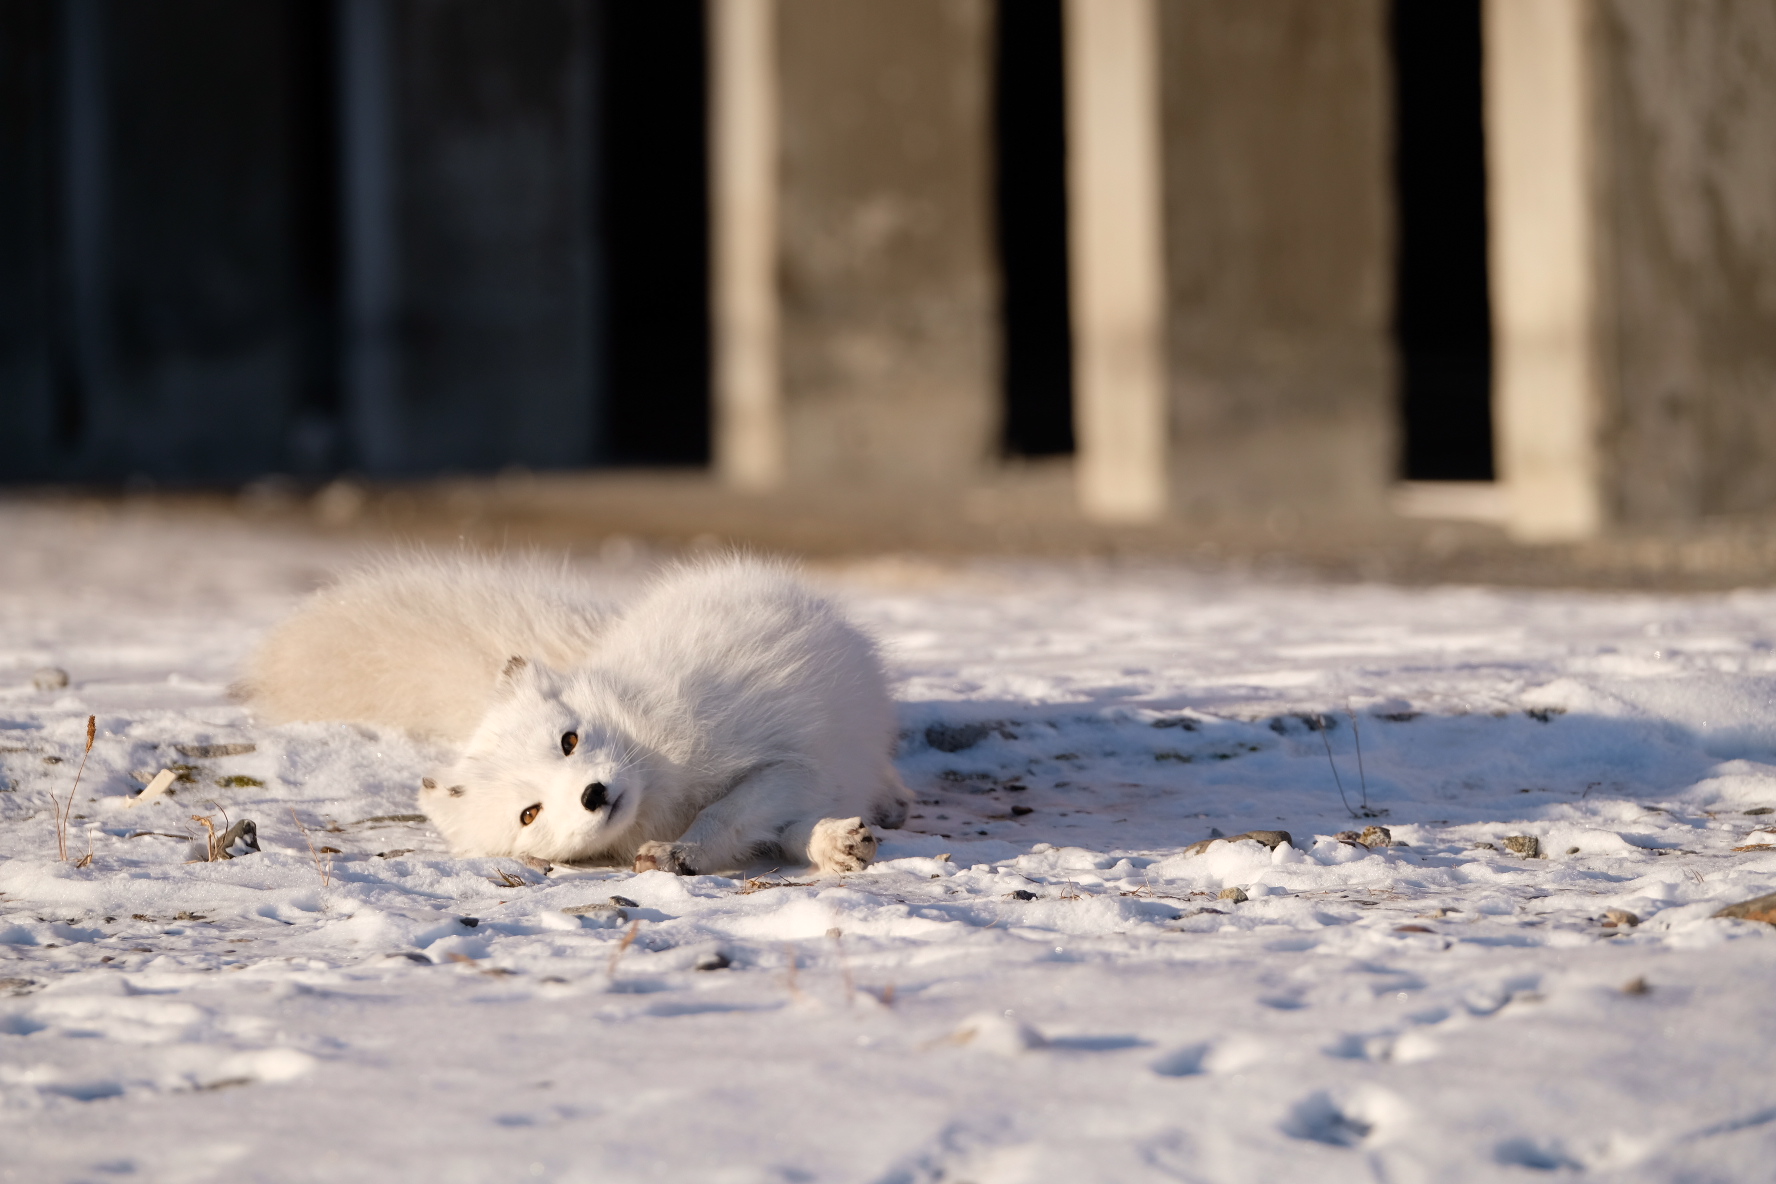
(395, 238)
(168, 238)
(1442, 320)
(654, 219)
(1030, 139)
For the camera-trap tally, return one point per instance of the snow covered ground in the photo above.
(1037, 983)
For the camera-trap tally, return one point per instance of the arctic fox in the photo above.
(417, 643)
(728, 714)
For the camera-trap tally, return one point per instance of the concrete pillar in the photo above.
(1542, 207)
(1633, 230)
(743, 126)
(1687, 219)
(1117, 249)
(1279, 261)
(889, 308)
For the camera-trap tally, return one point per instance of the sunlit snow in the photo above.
(1036, 983)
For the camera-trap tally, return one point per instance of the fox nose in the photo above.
(595, 796)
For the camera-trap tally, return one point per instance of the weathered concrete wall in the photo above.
(1687, 245)
(1278, 216)
(889, 334)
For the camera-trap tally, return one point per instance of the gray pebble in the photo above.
(49, 678)
(598, 916)
(1528, 846)
(1235, 895)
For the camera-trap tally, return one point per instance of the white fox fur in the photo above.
(728, 714)
(416, 643)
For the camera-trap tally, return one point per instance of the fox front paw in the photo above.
(666, 857)
(841, 845)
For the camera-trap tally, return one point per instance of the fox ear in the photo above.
(520, 671)
(514, 672)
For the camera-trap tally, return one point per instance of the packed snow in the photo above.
(1044, 978)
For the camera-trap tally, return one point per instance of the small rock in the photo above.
(240, 840)
(1023, 894)
(957, 738)
(469, 922)
(1616, 918)
(1413, 929)
(49, 678)
(196, 752)
(394, 853)
(1757, 810)
(1486, 846)
(1235, 895)
(1270, 838)
(993, 1032)
(624, 901)
(1572, 850)
(1020, 811)
(1376, 836)
(1528, 846)
(1758, 908)
(1636, 986)
(17, 986)
(598, 916)
(714, 960)
(413, 957)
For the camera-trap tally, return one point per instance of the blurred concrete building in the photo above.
(1239, 258)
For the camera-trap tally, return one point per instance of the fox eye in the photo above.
(529, 814)
(569, 742)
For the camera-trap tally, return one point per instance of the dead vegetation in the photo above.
(63, 812)
(322, 869)
(610, 969)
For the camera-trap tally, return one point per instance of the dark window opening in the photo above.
(1030, 198)
(1442, 320)
(317, 433)
(654, 230)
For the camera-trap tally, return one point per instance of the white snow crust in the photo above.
(1036, 983)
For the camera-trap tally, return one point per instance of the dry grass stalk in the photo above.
(1357, 735)
(489, 971)
(63, 813)
(758, 883)
(210, 836)
(325, 870)
(795, 992)
(838, 940)
(610, 970)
